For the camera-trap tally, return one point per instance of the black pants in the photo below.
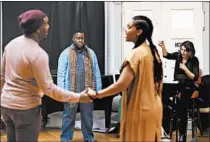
(22, 125)
(182, 106)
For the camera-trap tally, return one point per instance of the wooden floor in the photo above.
(54, 135)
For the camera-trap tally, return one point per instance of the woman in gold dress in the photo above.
(141, 77)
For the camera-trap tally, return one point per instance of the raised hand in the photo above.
(84, 98)
(161, 44)
(91, 93)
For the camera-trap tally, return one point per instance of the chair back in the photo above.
(199, 77)
(204, 91)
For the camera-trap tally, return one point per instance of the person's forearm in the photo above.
(164, 51)
(111, 90)
(40, 66)
(122, 84)
(60, 94)
(189, 74)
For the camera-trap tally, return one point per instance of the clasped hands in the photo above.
(182, 66)
(87, 96)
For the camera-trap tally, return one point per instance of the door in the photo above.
(131, 9)
(174, 22)
(181, 21)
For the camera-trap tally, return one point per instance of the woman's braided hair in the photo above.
(144, 23)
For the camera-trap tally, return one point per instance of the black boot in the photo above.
(182, 138)
(116, 129)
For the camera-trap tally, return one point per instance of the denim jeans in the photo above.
(69, 118)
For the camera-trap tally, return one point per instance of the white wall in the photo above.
(113, 48)
(206, 46)
(114, 53)
(113, 41)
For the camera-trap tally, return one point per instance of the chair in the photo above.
(204, 106)
(194, 117)
(194, 111)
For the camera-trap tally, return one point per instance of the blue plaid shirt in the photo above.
(80, 71)
(63, 73)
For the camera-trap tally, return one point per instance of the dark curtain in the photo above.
(65, 18)
(10, 12)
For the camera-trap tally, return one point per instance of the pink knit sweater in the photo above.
(25, 76)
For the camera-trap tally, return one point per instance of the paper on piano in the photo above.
(170, 81)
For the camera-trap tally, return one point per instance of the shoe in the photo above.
(182, 138)
(116, 129)
(113, 130)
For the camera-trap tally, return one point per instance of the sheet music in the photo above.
(170, 81)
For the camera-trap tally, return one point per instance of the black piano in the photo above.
(50, 106)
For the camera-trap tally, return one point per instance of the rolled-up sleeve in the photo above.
(40, 67)
(195, 69)
(171, 56)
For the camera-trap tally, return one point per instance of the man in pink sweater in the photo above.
(25, 77)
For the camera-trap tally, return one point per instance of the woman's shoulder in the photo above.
(141, 51)
(195, 59)
(135, 52)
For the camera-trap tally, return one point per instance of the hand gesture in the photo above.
(91, 93)
(84, 98)
(161, 44)
(182, 66)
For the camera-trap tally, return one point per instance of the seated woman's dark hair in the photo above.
(189, 46)
(144, 23)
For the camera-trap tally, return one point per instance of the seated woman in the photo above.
(186, 73)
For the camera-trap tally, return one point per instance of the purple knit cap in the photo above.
(31, 20)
